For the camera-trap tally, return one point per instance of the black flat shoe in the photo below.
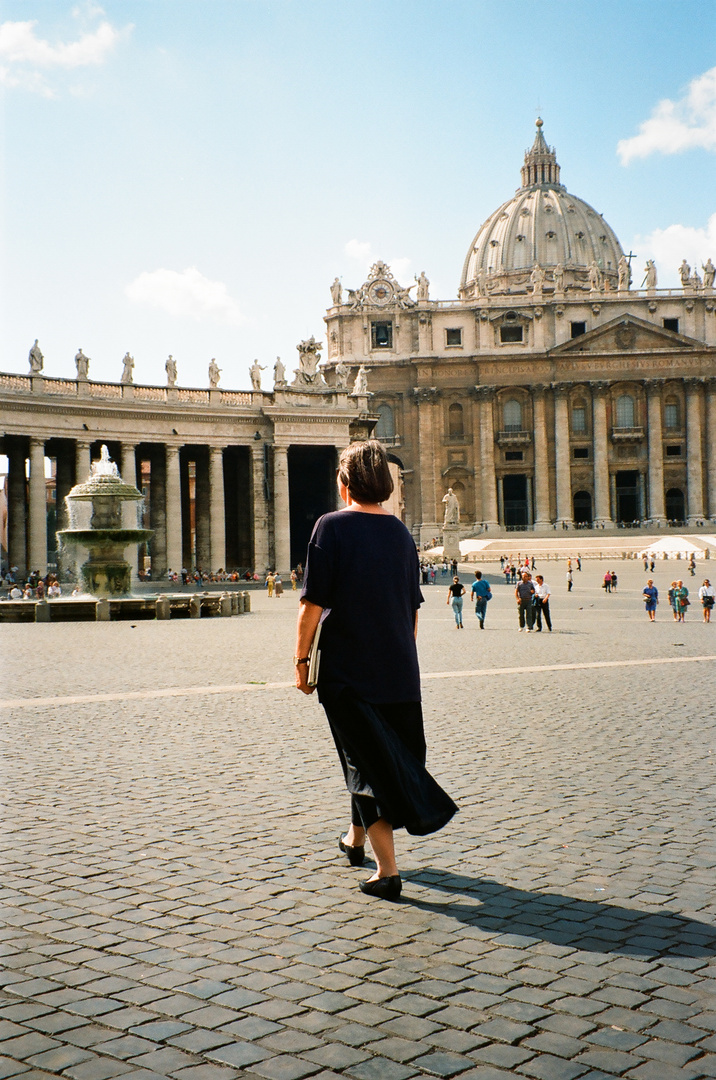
(356, 854)
(385, 888)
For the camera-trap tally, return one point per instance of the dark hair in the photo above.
(478, 574)
(363, 468)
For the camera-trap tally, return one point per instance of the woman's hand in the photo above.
(301, 679)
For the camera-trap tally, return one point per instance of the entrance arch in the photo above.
(675, 505)
(582, 508)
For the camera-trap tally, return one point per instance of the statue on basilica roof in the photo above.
(82, 362)
(309, 356)
(127, 369)
(423, 287)
(685, 273)
(255, 373)
(624, 274)
(650, 274)
(709, 273)
(214, 374)
(171, 369)
(336, 292)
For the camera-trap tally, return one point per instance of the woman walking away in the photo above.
(369, 681)
(651, 597)
(681, 600)
(456, 593)
(707, 595)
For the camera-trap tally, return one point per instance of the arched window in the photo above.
(512, 415)
(385, 428)
(671, 415)
(625, 411)
(456, 424)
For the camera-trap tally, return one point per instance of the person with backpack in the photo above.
(480, 593)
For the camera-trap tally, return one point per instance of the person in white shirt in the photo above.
(707, 595)
(541, 601)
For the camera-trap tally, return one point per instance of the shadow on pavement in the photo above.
(590, 925)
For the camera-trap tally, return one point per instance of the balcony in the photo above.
(627, 434)
(514, 437)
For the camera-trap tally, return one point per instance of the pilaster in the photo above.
(173, 517)
(694, 466)
(260, 506)
(657, 510)
(561, 451)
(17, 513)
(541, 476)
(600, 454)
(486, 396)
(711, 446)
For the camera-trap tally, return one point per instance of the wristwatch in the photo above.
(300, 660)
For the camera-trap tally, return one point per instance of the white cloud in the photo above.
(676, 242)
(25, 57)
(675, 126)
(188, 293)
(360, 250)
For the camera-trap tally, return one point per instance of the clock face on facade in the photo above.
(380, 293)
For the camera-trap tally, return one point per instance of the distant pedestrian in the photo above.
(294, 580)
(681, 597)
(692, 565)
(502, 562)
(707, 595)
(270, 582)
(570, 580)
(513, 574)
(579, 563)
(541, 604)
(454, 566)
(673, 601)
(506, 573)
(651, 598)
(278, 586)
(480, 593)
(607, 585)
(455, 594)
(524, 593)
(614, 581)
(646, 564)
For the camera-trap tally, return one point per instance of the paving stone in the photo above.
(610, 1061)
(8, 1067)
(60, 1058)
(238, 1054)
(380, 1069)
(285, 1068)
(546, 1067)
(442, 1063)
(340, 1056)
(504, 1030)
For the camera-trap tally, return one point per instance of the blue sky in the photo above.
(188, 176)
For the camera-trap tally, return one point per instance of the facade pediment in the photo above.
(628, 333)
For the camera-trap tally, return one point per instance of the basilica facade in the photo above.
(551, 393)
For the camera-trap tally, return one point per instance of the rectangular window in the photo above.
(513, 455)
(580, 452)
(453, 337)
(673, 451)
(579, 420)
(671, 416)
(509, 334)
(381, 335)
(578, 328)
(671, 324)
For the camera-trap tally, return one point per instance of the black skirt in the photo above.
(382, 751)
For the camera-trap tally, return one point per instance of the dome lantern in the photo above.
(540, 165)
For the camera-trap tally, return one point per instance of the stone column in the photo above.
(173, 510)
(541, 480)
(82, 462)
(694, 465)
(37, 545)
(561, 453)
(17, 513)
(128, 467)
(202, 510)
(218, 509)
(657, 511)
(600, 451)
(427, 398)
(64, 470)
(260, 509)
(157, 513)
(486, 395)
(281, 511)
(711, 446)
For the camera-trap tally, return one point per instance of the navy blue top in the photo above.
(363, 570)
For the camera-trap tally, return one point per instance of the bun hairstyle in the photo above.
(363, 468)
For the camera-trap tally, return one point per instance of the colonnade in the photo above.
(240, 512)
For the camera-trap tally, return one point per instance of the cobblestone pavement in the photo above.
(174, 905)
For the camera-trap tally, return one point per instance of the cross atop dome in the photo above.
(540, 165)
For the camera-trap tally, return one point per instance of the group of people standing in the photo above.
(679, 599)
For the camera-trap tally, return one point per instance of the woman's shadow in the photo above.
(591, 925)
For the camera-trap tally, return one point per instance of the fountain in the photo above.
(104, 515)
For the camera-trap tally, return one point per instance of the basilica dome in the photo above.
(544, 228)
